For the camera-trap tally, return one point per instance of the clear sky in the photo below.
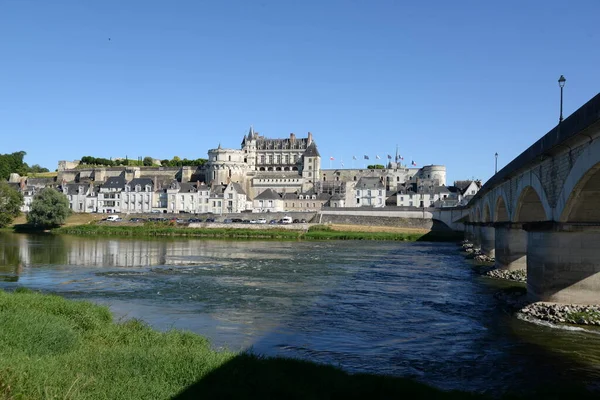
(448, 82)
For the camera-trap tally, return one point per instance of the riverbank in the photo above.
(58, 348)
(210, 230)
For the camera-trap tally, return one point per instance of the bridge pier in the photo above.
(563, 262)
(487, 235)
(469, 232)
(511, 246)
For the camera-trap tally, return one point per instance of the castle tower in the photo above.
(311, 166)
(249, 149)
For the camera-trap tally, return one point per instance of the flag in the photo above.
(354, 157)
(366, 157)
(342, 164)
(414, 163)
(389, 157)
(331, 158)
(402, 158)
(377, 157)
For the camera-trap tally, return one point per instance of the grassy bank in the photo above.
(51, 347)
(317, 232)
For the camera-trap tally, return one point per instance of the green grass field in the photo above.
(317, 232)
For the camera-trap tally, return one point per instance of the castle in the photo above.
(263, 174)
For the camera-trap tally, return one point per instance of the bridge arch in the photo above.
(582, 186)
(486, 216)
(500, 211)
(531, 203)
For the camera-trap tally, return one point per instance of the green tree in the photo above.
(49, 208)
(10, 204)
(376, 166)
(148, 162)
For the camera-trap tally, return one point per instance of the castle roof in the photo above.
(311, 151)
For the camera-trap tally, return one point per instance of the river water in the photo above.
(405, 309)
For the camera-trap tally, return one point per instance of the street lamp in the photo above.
(496, 167)
(561, 83)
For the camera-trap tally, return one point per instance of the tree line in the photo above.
(146, 162)
(13, 163)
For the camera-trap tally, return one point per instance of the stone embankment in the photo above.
(563, 313)
(485, 265)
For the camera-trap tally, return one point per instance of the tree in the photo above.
(376, 166)
(10, 204)
(148, 162)
(49, 208)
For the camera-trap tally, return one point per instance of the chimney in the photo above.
(309, 138)
(292, 137)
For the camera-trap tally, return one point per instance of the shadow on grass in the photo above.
(249, 376)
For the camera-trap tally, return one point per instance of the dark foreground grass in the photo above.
(317, 232)
(53, 348)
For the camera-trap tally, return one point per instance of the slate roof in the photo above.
(369, 182)
(73, 188)
(114, 182)
(142, 182)
(311, 151)
(268, 194)
(238, 188)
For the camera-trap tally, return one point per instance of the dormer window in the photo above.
(138, 188)
(127, 188)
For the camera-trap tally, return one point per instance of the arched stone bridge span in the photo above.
(542, 212)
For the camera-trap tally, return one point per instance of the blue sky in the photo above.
(449, 82)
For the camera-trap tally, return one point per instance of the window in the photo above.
(270, 159)
(262, 159)
(380, 192)
(229, 158)
(410, 203)
(277, 159)
(358, 192)
(401, 198)
(270, 203)
(369, 193)
(230, 196)
(358, 200)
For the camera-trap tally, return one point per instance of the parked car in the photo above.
(303, 221)
(227, 221)
(236, 220)
(286, 220)
(273, 222)
(261, 221)
(296, 221)
(210, 220)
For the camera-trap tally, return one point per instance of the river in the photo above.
(406, 309)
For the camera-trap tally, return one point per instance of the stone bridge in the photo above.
(542, 212)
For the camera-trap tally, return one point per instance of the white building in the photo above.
(369, 192)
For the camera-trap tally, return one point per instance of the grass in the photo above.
(316, 232)
(54, 348)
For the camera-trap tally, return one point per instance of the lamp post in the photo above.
(496, 165)
(561, 83)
